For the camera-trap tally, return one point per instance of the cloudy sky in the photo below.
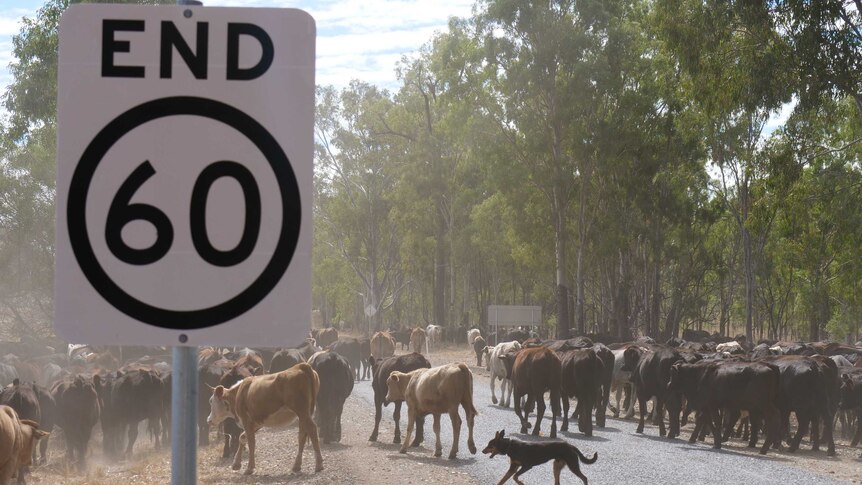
(356, 39)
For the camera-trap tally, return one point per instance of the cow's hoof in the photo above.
(318, 468)
(762, 452)
(373, 438)
(248, 471)
(403, 451)
(830, 453)
(396, 440)
(493, 400)
(415, 444)
(235, 466)
(453, 456)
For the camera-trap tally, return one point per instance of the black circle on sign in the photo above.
(76, 218)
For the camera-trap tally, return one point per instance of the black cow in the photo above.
(135, 396)
(348, 347)
(78, 411)
(851, 398)
(380, 370)
(581, 378)
(336, 384)
(650, 378)
(285, 359)
(711, 387)
(807, 390)
(402, 337)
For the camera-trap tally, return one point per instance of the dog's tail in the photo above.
(584, 459)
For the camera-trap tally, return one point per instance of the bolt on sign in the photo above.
(184, 175)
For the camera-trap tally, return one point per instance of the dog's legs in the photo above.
(512, 469)
(575, 467)
(438, 447)
(524, 469)
(558, 467)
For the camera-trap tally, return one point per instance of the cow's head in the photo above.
(31, 434)
(674, 382)
(219, 407)
(396, 385)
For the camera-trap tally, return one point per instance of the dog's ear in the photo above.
(502, 433)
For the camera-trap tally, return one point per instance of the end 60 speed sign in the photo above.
(184, 175)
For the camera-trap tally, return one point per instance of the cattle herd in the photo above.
(728, 387)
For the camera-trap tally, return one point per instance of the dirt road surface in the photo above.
(624, 456)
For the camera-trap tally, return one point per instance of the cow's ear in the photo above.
(219, 391)
(394, 377)
(97, 380)
(16, 382)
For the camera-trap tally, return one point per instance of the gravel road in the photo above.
(624, 456)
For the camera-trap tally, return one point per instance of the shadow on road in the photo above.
(428, 459)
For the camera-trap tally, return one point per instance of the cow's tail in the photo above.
(468, 400)
(314, 382)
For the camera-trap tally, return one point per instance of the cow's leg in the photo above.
(471, 445)
(420, 431)
(506, 389)
(828, 432)
(540, 413)
(804, 422)
(311, 433)
(659, 411)
(438, 446)
(858, 436)
(237, 458)
(566, 404)
(249, 467)
(378, 411)
(602, 404)
(698, 427)
(43, 450)
(396, 415)
(456, 431)
(502, 389)
(301, 437)
(411, 417)
(630, 401)
(520, 415)
(615, 410)
(642, 405)
(585, 420)
(555, 411)
(714, 416)
(132, 436)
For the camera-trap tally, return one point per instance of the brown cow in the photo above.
(270, 400)
(436, 391)
(18, 438)
(326, 336)
(382, 345)
(78, 410)
(417, 340)
(535, 371)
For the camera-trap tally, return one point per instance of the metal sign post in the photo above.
(184, 410)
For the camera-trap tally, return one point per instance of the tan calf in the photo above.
(271, 400)
(436, 391)
(417, 340)
(382, 345)
(18, 440)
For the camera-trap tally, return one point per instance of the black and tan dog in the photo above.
(525, 455)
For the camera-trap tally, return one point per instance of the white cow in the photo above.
(433, 333)
(498, 371)
(622, 380)
(472, 334)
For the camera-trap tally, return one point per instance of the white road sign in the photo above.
(184, 175)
